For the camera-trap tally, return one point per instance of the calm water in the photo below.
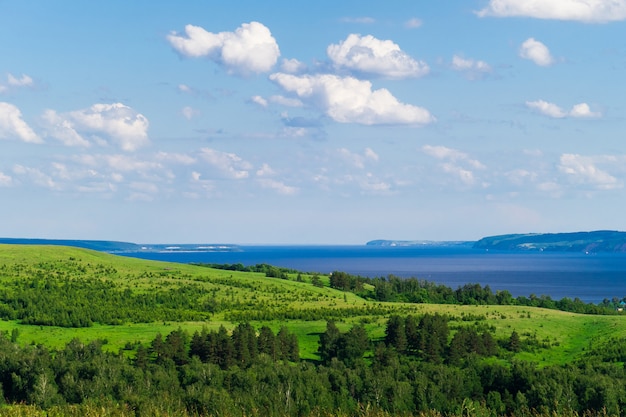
(590, 277)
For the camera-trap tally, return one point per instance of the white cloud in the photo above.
(100, 123)
(546, 108)
(16, 82)
(413, 23)
(35, 176)
(189, 112)
(177, 158)
(5, 180)
(464, 175)
(370, 154)
(12, 126)
(292, 66)
(23, 81)
(442, 152)
(265, 171)
(537, 52)
(472, 68)
(589, 11)
(357, 160)
(583, 170)
(125, 163)
(229, 164)
(63, 129)
(520, 176)
(251, 48)
(373, 56)
(277, 186)
(373, 185)
(456, 163)
(259, 100)
(581, 110)
(349, 100)
(286, 101)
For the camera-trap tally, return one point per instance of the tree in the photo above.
(353, 344)
(328, 343)
(266, 342)
(395, 334)
(515, 344)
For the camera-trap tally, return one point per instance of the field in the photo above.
(210, 298)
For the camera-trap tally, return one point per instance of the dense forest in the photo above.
(422, 364)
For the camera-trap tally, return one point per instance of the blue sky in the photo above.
(318, 123)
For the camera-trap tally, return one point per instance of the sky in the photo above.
(322, 122)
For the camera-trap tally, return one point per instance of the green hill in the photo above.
(596, 241)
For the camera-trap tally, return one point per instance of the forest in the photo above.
(268, 341)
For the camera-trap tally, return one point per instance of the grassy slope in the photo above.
(568, 334)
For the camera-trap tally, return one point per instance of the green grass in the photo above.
(568, 335)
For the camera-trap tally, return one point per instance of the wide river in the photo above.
(590, 277)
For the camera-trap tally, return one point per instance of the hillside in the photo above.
(100, 245)
(595, 241)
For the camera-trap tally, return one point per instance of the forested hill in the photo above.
(99, 245)
(595, 241)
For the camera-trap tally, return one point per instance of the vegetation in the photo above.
(86, 333)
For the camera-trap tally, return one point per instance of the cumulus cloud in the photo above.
(537, 52)
(473, 69)
(369, 55)
(546, 108)
(12, 126)
(588, 11)
(292, 66)
(581, 110)
(251, 48)
(349, 100)
(583, 170)
(228, 164)
(100, 123)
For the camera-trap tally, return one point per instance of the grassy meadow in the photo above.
(243, 296)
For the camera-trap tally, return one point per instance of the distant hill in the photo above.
(595, 241)
(112, 246)
(390, 243)
(99, 245)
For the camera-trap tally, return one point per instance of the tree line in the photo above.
(414, 290)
